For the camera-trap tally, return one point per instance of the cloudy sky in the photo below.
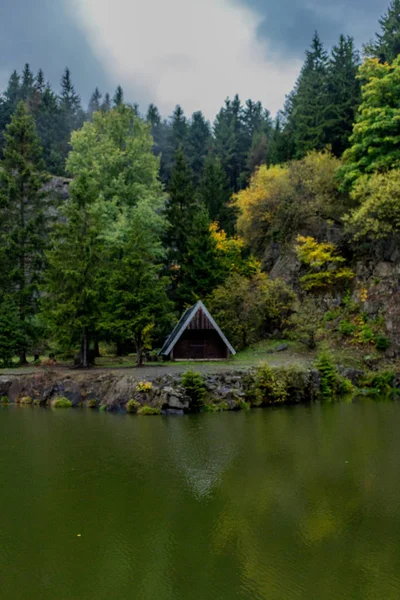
(192, 52)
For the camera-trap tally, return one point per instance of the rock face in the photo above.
(225, 391)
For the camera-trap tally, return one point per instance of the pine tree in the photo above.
(40, 82)
(344, 94)
(198, 142)
(94, 102)
(22, 218)
(307, 105)
(386, 46)
(179, 129)
(118, 98)
(49, 128)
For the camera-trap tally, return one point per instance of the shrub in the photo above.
(62, 402)
(379, 382)
(193, 383)
(25, 400)
(347, 328)
(345, 386)
(4, 400)
(149, 411)
(382, 343)
(267, 387)
(366, 335)
(243, 405)
(144, 386)
(132, 406)
(210, 407)
(329, 376)
(92, 403)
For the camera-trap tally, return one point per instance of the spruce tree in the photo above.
(27, 84)
(118, 98)
(198, 142)
(49, 128)
(22, 218)
(308, 103)
(344, 94)
(9, 102)
(106, 105)
(231, 141)
(71, 113)
(215, 193)
(386, 45)
(94, 102)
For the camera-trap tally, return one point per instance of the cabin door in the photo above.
(197, 351)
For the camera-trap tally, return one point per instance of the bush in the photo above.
(379, 382)
(329, 376)
(382, 343)
(4, 400)
(243, 405)
(92, 403)
(62, 402)
(144, 386)
(267, 387)
(345, 386)
(193, 384)
(347, 328)
(25, 400)
(149, 411)
(133, 406)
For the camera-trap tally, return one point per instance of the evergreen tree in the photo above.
(231, 141)
(344, 94)
(198, 142)
(72, 285)
(214, 193)
(40, 82)
(27, 85)
(179, 129)
(22, 218)
(94, 102)
(48, 128)
(386, 46)
(307, 105)
(118, 98)
(9, 101)
(201, 270)
(106, 105)
(71, 113)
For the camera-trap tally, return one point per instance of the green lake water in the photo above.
(289, 503)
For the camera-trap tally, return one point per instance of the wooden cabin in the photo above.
(197, 337)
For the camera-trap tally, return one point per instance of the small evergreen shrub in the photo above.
(62, 402)
(193, 384)
(328, 375)
(132, 406)
(92, 403)
(149, 411)
(210, 407)
(4, 400)
(345, 386)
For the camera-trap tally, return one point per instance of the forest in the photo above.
(271, 221)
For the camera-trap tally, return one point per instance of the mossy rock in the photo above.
(92, 403)
(62, 402)
(149, 411)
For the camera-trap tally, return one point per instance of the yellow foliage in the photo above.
(231, 252)
(324, 264)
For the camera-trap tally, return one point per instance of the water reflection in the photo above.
(281, 504)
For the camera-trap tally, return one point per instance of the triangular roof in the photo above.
(184, 322)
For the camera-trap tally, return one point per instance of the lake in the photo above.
(273, 504)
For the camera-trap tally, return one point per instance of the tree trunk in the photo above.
(96, 349)
(139, 354)
(22, 358)
(84, 357)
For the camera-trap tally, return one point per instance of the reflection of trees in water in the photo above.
(203, 448)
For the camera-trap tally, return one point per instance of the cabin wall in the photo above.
(200, 345)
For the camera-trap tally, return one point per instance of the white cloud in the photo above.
(191, 52)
